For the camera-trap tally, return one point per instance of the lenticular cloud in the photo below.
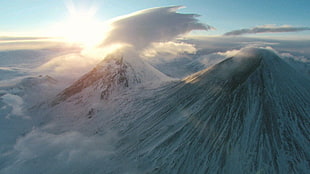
(142, 28)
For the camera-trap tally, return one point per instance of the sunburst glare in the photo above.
(81, 27)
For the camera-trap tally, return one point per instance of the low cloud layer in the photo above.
(266, 29)
(69, 152)
(142, 28)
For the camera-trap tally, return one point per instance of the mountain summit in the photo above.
(112, 75)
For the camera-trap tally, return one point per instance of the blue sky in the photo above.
(34, 16)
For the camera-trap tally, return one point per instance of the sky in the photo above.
(37, 16)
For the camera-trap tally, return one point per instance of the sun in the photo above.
(81, 27)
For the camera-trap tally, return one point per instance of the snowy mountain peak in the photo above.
(235, 70)
(112, 75)
(108, 74)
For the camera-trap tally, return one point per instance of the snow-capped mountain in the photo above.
(247, 114)
(111, 76)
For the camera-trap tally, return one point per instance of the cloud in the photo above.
(24, 38)
(168, 49)
(296, 58)
(214, 58)
(16, 103)
(229, 53)
(267, 29)
(68, 67)
(69, 152)
(29, 43)
(142, 28)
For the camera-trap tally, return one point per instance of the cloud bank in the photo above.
(142, 28)
(266, 29)
(69, 152)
